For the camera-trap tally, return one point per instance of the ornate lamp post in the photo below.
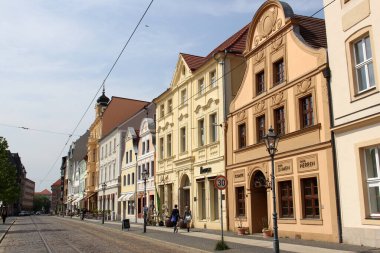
(271, 141)
(104, 185)
(145, 174)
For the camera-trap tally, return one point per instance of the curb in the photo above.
(2, 237)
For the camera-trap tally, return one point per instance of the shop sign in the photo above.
(306, 163)
(284, 167)
(239, 176)
(204, 170)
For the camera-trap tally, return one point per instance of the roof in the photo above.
(44, 192)
(234, 44)
(80, 147)
(119, 110)
(57, 183)
(312, 30)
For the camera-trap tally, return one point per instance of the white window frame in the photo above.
(212, 76)
(366, 62)
(374, 181)
(201, 86)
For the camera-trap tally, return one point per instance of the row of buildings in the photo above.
(315, 81)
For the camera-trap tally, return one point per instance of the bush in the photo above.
(221, 246)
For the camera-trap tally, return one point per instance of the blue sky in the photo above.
(54, 56)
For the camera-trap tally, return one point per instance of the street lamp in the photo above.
(104, 185)
(271, 141)
(145, 174)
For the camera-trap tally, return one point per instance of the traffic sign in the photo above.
(220, 182)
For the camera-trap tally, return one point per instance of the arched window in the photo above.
(124, 179)
(129, 179)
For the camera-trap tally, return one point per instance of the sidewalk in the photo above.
(204, 239)
(5, 227)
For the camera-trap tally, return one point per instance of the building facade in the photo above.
(283, 87)
(28, 195)
(56, 203)
(190, 137)
(353, 32)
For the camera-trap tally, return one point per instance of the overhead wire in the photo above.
(34, 129)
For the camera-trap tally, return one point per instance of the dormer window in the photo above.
(183, 71)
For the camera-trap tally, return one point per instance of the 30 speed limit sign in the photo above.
(220, 182)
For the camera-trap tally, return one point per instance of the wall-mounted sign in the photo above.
(204, 170)
(306, 163)
(284, 167)
(239, 176)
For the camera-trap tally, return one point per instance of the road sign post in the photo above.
(221, 183)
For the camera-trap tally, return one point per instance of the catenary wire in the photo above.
(34, 129)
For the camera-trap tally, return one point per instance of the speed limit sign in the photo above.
(220, 182)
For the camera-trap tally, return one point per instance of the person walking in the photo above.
(174, 217)
(4, 213)
(187, 218)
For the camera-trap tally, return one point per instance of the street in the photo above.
(51, 234)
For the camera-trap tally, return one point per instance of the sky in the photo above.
(54, 56)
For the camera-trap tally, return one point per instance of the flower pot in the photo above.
(267, 233)
(241, 231)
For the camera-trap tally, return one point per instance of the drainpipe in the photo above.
(327, 75)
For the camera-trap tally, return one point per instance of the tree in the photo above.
(9, 188)
(41, 203)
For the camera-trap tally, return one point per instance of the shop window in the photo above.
(260, 128)
(286, 199)
(131, 207)
(260, 83)
(214, 201)
(242, 135)
(306, 111)
(278, 72)
(240, 201)
(372, 166)
(310, 198)
(279, 120)
(202, 200)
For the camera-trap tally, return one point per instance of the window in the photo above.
(240, 201)
(114, 171)
(212, 79)
(286, 199)
(94, 155)
(147, 170)
(143, 147)
(139, 173)
(213, 128)
(372, 166)
(125, 180)
(170, 105)
(201, 132)
(214, 201)
(278, 72)
(306, 109)
(202, 200)
(201, 86)
(152, 168)
(129, 179)
(133, 178)
(183, 139)
(183, 70)
(242, 135)
(260, 128)
(131, 207)
(279, 120)
(126, 157)
(183, 97)
(114, 145)
(147, 146)
(169, 145)
(260, 83)
(310, 200)
(162, 110)
(110, 148)
(102, 152)
(161, 148)
(365, 76)
(130, 155)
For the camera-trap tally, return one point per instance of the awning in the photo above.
(126, 197)
(89, 196)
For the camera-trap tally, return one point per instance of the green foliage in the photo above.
(9, 188)
(40, 203)
(221, 245)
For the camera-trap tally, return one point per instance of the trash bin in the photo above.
(125, 224)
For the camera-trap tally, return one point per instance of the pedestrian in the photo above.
(4, 213)
(175, 218)
(187, 218)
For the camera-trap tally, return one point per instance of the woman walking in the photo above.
(187, 218)
(174, 217)
(4, 213)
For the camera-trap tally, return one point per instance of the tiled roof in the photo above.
(57, 183)
(234, 44)
(44, 192)
(313, 30)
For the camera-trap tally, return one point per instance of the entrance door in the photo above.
(184, 193)
(259, 202)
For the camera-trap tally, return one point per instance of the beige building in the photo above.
(283, 87)
(353, 30)
(190, 137)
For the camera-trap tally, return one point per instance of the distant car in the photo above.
(38, 213)
(24, 213)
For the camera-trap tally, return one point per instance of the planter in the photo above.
(267, 233)
(241, 231)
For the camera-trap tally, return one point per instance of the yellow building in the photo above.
(190, 137)
(353, 34)
(283, 87)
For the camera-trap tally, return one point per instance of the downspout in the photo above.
(327, 75)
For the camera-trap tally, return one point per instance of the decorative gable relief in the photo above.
(259, 55)
(304, 85)
(241, 116)
(208, 105)
(259, 107)
(277, 43)
(182, 116)
(268, 23)
(277, 98)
